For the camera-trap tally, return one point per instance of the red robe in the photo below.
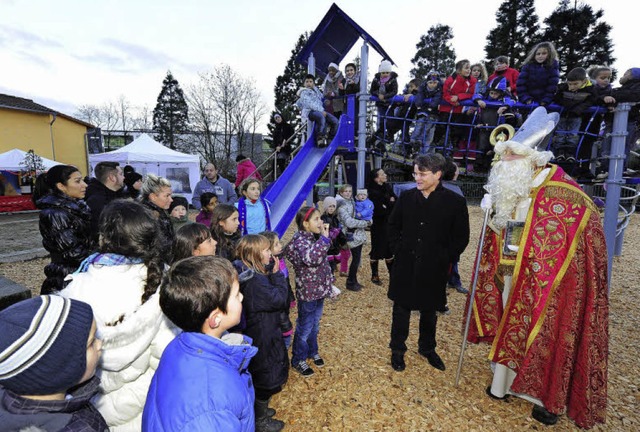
(553, 330)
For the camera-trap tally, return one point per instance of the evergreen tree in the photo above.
(579, 35)
(516, 32)
(171, 114)
(434, 52)
(287, 86)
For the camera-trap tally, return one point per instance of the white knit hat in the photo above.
(385, 66)
(333, 65)
(362, 192)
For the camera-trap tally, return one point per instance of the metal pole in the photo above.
(476, 270)
(362, 114)
(614, 181)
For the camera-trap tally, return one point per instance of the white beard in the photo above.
(509, 183)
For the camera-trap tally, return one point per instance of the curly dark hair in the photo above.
(128, 228)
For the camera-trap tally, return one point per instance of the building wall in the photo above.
(26, 130)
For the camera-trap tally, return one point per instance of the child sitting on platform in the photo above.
(310, 102)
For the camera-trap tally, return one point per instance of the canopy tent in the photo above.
(10, 161)
(148, 156)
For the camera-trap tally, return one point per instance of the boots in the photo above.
(389, 263)
(375, 278)
(264, 423)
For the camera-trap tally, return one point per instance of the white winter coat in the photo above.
(131, 349)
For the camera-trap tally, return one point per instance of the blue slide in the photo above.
(290, 190)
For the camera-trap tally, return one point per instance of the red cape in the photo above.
(553, 330)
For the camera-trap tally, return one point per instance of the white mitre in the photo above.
(531, 138)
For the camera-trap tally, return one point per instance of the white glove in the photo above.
(486, 202)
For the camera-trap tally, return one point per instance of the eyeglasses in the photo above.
(421, 174)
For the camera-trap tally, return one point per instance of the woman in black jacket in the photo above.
(156, 196)
(282, 137)
(65, 223)
(383, 198)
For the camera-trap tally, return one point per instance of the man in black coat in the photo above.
(104, 188)
(428, 230)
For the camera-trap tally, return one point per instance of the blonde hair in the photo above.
(552, 54)
(153, 184)
(249, 251)
(484, 76)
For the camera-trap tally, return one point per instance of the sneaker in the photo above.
(560, 158)
(570, 159)
(602, 176)
(460, 289)
(317, 360)
(303, 369)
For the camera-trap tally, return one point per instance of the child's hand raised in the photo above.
(325, 230)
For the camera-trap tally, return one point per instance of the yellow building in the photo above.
(27, 125)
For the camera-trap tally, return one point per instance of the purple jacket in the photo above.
(204, 218)
(308, 257)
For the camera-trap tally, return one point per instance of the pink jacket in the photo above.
(246, 169)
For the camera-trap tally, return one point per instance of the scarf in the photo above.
(242, 213)
(106, 259)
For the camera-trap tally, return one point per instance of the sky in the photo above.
(68, 53)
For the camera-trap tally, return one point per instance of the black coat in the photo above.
(265, 298)
(167, 232)
(282, 132)
(65, 226)
(381, 196)
(97, 198)
(426, 236)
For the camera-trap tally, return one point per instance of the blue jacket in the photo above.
(202, 384)
(364, 209)
(538, 82)
(222, 187)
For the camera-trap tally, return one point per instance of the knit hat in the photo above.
(178, 200)
(635, 73)
(498, 84)
(333, 65)
(131, 177)
(433, 76)
(240, 157)
(362, 192)
(385, 66)
(43, 344)
(327, 202)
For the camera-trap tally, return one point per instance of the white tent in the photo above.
(10, 161)
(149, 156)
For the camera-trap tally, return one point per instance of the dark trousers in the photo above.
(400, 329)
(356, 255)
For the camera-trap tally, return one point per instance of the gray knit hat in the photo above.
(43, 344)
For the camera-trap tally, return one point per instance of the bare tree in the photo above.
(225, 109)
(142, 119)
(90, 114)
(109, 116)
(124, 115)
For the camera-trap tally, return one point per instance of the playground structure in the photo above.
(330, 42)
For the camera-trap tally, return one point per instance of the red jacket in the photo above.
(511, 75)
(457, 85)
(246, 169)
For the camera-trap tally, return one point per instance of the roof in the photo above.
(332, 40)
(22, 104)
(11, 160)
(144, 149)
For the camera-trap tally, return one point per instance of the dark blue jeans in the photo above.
(454, 276)
(321, 122)
(305, 338)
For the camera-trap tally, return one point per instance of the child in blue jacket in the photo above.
(202, 382)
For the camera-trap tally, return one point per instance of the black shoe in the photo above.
(317, 360)
(397, 361)
(492, 396)
(459, 288)
(376, 280)
(354, 287)
(303, 369)
(268, 424)
(543, 416)
(444, 311)
(434, 359)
